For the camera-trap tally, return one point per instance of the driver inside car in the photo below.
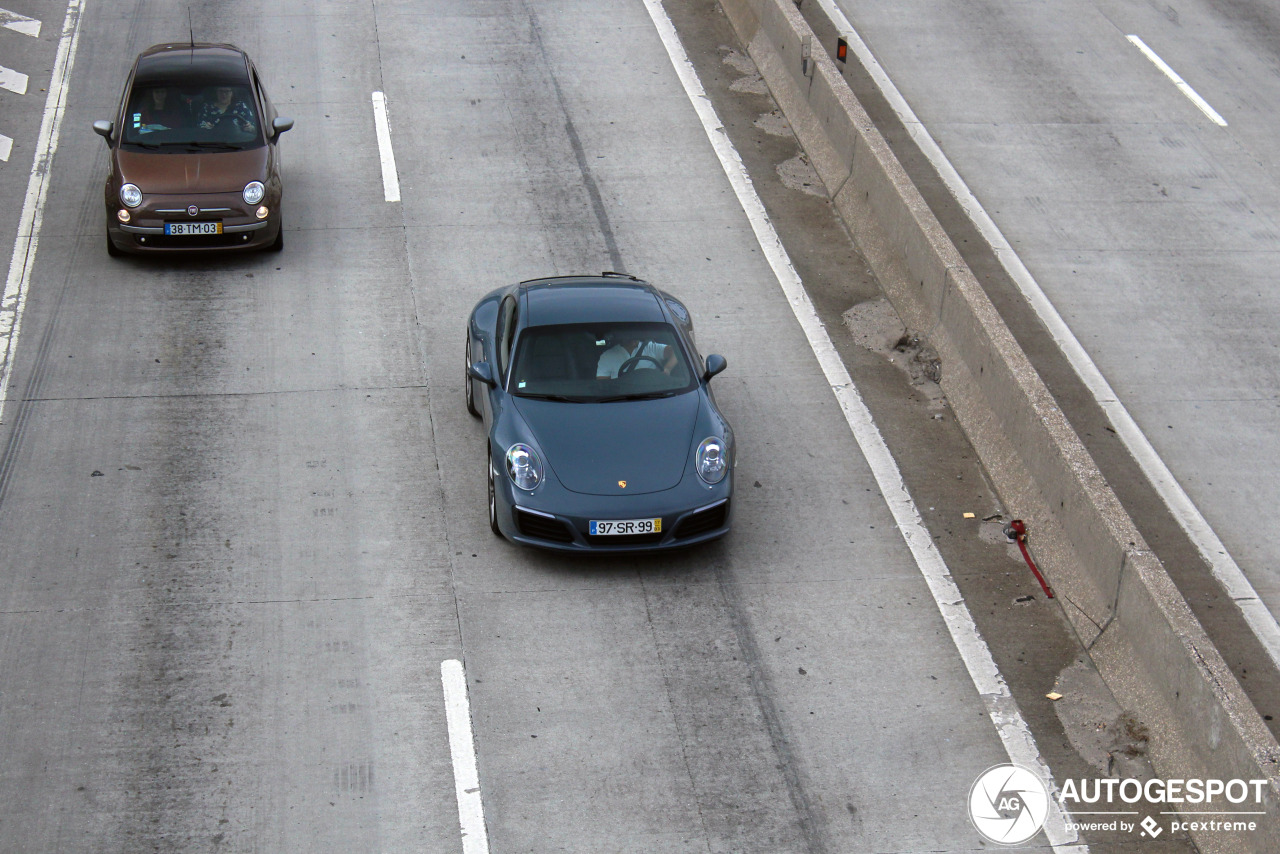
(634, 354)
(226, 107)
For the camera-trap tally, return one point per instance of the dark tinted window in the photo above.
(176, 117)
(600, 361)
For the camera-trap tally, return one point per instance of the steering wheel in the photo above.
(236, 123)
(630, 364)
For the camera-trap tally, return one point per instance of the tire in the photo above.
(113, 250)
(493, 497)
(279, 241)
(470, 383)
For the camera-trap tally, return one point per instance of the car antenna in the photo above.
(191, 30)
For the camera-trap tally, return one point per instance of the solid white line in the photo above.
(1001, 706)
(14, 81)
(19, 23)
(1182, 85)
(6, 146)
(28, 239)
(466, 777)
(1190, 519)
(390, 179)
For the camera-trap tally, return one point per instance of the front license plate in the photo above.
(184, 229)
(603, 528)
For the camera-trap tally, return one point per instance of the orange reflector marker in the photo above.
(842, 50)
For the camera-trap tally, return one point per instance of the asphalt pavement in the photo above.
(242, 506)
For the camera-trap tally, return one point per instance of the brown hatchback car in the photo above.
(194, 161)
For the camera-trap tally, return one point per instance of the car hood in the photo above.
(205, 172)
(595, 447)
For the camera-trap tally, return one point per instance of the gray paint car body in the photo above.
(609, 460)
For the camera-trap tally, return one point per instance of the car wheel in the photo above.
(493, 497)
(470, 384)
(113, 250)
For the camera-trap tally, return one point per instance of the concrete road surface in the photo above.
(242, 519)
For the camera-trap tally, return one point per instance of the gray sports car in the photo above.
(601, 431)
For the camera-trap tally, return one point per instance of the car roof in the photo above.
(590, 299)
(187, 64)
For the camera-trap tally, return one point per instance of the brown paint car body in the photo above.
(194, 129)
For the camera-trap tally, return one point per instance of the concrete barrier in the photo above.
(1144, 639)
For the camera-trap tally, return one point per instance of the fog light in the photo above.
(263, 212)
(123, 215)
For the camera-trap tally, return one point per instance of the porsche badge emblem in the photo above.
(622, 483)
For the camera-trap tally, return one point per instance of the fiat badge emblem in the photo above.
(192, 210)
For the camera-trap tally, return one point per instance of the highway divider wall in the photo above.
(1149, 647)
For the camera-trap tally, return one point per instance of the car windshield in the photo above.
(600, 362)
(175, 119)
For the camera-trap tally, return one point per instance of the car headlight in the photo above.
(130, 195)
(523, 466)
(253, 192)
(712, 460)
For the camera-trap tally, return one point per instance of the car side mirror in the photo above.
(279, 125)
(715, 364)
(106, 130)
(482, 372)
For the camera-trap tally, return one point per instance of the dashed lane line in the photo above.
(13, 81)
(1014, 734)
(28, 238)
(8, 77)
(1182, 85)
(462, 751)
(1188, 515)
(19, 23)
(382, 126)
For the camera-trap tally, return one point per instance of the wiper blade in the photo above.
(563, 398)
(218, 146)
(651, 395)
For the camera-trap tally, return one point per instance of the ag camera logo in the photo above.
(1008, 804)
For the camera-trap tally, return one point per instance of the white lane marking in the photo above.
(6, 146)
(466, 777)
(1001, 706)
(1182, 85)
(19, 23)
(390, 179)
(28, 239)
(14, 81)
(1190, 519)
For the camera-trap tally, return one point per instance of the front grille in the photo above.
(542, 527)
(703, 521)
